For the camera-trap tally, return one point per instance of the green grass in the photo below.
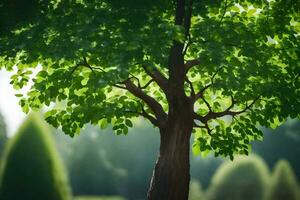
(99, 198)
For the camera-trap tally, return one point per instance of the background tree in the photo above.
(32, 168)
(91, 172)
(218, 68)
(244, 179)
(136, 150)
(284, 183)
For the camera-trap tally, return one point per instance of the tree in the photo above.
(91, 172)
(32, 168)
(245, 179)
(284, 183)
(216, 68)
(124, 153)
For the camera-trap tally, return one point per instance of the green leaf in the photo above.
(128, 123)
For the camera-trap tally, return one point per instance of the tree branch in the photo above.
(228, 111)
(145, 115)
(187, 19)
(191, 86)
(215, 115)
(202, 120)
(224, 12)
(191, 63)
(158, 77)
(207, 104)
(147, 84)
(151, 102)
(200, 93)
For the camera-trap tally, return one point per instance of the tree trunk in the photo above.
(171, 176)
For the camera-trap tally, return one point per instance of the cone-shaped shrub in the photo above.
(32, 169)
(284, 184)
(244, 179)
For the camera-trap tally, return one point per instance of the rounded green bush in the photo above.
(244, 179)
(32, 169)
(284, 183)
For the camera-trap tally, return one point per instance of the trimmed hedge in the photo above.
(99, 198)
(32, 168)
(284, 183)
(244, 179)
(196, 192)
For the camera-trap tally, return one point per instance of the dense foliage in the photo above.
(32, 169)
(284, 184)
(109, 61)
(246, 178)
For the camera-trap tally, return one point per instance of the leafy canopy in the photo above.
(107, 61)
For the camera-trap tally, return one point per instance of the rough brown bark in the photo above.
(171, 175)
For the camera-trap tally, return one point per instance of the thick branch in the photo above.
(158, 77)
(187, 20)
(151, 102)
(145, 115)
(180, 7)
(150, 118)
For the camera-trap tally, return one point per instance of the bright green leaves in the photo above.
(257, 52)
(247, 50)
(227, 137)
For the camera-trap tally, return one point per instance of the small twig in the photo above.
(208, 129)
(224, 12)
(187, 45)
(207, 104)
(198, 126)
(136, 78)
(147, 84)
(191, 87)
(119, 86)
(200, 93)
(214, 75)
